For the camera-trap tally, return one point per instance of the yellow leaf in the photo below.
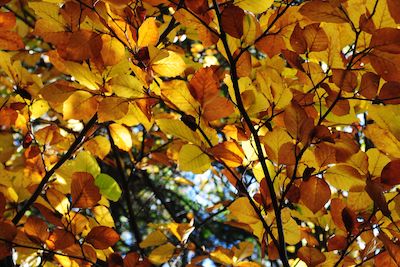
(243, 250)
(81, 105)
(166, 63)
(39, 108)
(121, 136)
(178, 129)
(254, 6)
(98, 146)
(103, 216)
(148, 33)
(162, 254)
(191, 158)
(222, 255)
(383, 139)
(376, 161)
(176, 94)
(112, 51)
(344, 177)
(181, 230)
(156, 238)
(83, 75)
(135, 116)
(127, 86)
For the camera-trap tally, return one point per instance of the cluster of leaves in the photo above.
(287, 112)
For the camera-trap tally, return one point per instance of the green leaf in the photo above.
(108, 186)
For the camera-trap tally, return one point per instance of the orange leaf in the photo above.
(229, 152)
(311, 256)
(36, 229)
(84, 192)
(315, 193)
(102, 237)
(10, 41)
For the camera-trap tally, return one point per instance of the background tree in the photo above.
(198, 133)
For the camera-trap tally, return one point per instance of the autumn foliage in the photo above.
(199, 133)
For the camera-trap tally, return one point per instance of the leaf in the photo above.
(178, 129)
(191, 158)
(109, 188)
(8, 231)
(255, 7)
(84, 192)
(315, 193)
(81, 105)
(230, 152)
(390, 93)
(10, 41)
(386, 40)
(121, 136)
(112, 108)
(102, 237)
(112, 50)
(156, 238)
(344, 177)
(148, 33)
(83, 75)
(126, 86)
(392, 248)
(391, 173)
(232, 21)
(321, 11)
(162, 254)
(60, 239)
(166, 63)
(36, 229)
(98, 146)
(375, 192)
(311, 256)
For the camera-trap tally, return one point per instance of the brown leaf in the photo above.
(8, 231)
(2, 204)
(337, 242)
(36, 229)
(84, 192)
(344, 79)
(369, 85)
(315, 193)
(232, 21)
(386, 40)
(60, 239)
(394, 9)
(390, 93)
(385, 64)
(322, 11)
(133, 259)
(115, 260)
(384, 260)
(391, 173)
(102, 237)
(311, 256)
(391, 247)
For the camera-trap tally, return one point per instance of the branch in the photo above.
(50, 173)
(126, 194)
(234, 77)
